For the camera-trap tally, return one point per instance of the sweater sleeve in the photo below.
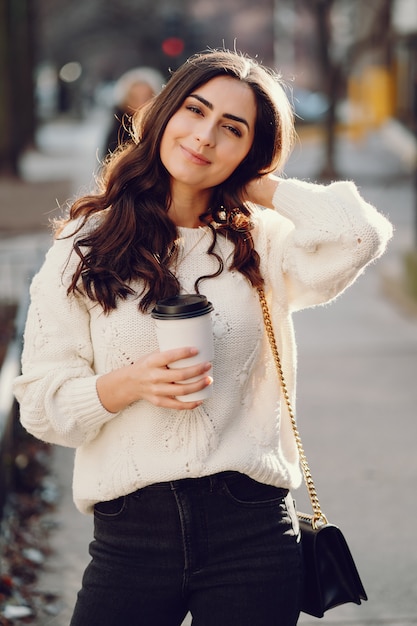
(334, 233)
(57, 387)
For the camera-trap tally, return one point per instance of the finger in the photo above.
(179, 405)
(168, 376)
(165, 395)
(175, 375)
(181, 389)
(172, 402)
(170, 356)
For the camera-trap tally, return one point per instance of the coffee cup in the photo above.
(185, 320)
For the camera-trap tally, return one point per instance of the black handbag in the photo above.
(330, 574)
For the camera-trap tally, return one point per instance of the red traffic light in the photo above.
(173, 46)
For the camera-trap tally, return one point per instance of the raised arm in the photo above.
(331, 234)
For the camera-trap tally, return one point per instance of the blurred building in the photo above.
(404, 22)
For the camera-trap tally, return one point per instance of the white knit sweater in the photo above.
(312, 247)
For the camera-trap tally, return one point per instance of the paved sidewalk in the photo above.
(357, 393)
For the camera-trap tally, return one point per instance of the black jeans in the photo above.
(225, 547)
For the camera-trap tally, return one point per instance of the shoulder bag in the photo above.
(330, 574)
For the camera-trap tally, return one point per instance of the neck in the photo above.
(186, 208)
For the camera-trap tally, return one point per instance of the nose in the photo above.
(205, 133)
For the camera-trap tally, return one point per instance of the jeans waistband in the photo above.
(204, 483)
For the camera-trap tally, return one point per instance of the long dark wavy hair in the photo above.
(133, 237)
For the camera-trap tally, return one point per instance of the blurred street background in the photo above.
(351, 67)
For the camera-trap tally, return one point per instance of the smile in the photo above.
(194, 157)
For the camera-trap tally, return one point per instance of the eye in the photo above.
(235, 131)
(194, 109)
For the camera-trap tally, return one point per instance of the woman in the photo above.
(133, 89)
(191, 500)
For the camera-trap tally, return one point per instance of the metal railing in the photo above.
(8, 407)
(20, 257)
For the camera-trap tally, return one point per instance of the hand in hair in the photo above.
(261, 190)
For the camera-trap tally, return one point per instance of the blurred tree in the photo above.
(17, 120)
(347, 31)
(331, 70)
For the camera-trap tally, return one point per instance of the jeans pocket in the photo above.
(110, 509)
(247, 491)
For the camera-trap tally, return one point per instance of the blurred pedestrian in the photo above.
(191, 499)
(133, 89)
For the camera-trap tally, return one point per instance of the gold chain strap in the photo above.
(318, 516)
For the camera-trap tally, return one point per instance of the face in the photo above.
(210, 134)
(138, 94)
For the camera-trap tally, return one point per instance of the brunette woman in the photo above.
(192, 500)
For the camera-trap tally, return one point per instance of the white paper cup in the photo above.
(185, 320)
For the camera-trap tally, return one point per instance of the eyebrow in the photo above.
(228, 116)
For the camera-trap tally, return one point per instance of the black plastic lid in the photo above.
(182, 306)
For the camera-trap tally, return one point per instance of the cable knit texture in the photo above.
(312, 247)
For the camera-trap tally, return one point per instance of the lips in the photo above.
(194, 157)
